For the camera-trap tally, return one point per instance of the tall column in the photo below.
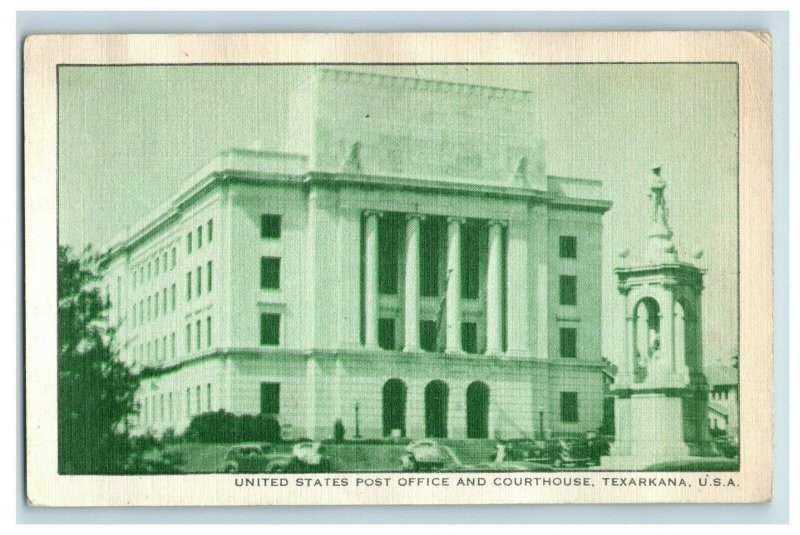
(371, 280)
(453, 296)
(494, 290)
(412, 283)
(668, 330)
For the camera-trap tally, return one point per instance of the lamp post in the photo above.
(357, 433)
(540, 434)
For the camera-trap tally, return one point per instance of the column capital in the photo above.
(456, 219)
(414, 215)
(497, 222)
(368, 213)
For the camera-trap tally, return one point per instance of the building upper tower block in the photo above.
(373, 124)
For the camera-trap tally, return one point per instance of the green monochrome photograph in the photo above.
(398, 268)
(296, 268)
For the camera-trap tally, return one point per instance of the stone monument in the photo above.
(660, 391)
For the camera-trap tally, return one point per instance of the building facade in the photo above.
(402, 264)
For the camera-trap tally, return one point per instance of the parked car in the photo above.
(252, 458)
(570, 451)
(524, 450)
(309, 457)
(727, 447)
(599, 446)
(424, 454)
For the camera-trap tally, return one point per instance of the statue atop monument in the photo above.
(660, 238)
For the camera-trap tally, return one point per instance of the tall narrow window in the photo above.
(568, 290)
(208, 276)
(200, 236)
(157, 266)
(149, 308)
(270, 272)
(172, 345)
(199, 280)
(164, 347)
(568, 247)
(174, 259)
(156, 305)
(388, 251)
(197, 399)
(568, 338)
(208, 331)
(469, 337)
(270, 329)
(210, 230)
(188, 285)
(429, 258)
(188, 338)
(270, 226)
(164, 262)
(189, 243)
(188, 401)
(427, 335)
(208, 397)
(386, 333)
(470, 258)
(164, 301)
(569, 407)
(197, 334)
(172, 292)
(171, 408)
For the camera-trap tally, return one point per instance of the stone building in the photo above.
(403, 259)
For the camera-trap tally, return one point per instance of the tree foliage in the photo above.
(95, 389)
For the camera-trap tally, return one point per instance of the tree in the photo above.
(95, 389)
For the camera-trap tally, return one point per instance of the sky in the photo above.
(129, 136)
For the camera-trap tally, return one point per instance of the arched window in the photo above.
(394, 407)
(436, 398)
(478, 410)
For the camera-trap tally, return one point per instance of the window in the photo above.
(161, 407)
(172, 297)
(200, 236)
(427, 335)
(188, 285)
(174, 257)
(149, 307)
(386, 333)
(171, 407)
(270, 329)
(188, 338)
(569, 406)
(156, 306)
(568, 338)
(210, 230)
(470, 258)
(469, 337)
(149, 270)
(199, 280)
(172, 345)
(164, 264)
(164, 301)
(568, 290)
(188, 401)
(429, 259)
(568, 247)
(270, 272)
(270, 226)
(208, 397)
(157, 265)
(164, 347)
(208, 276)
(388, 251)
(270, 398)
(208, 331)
(197, 399)
(189, 243)
(197, 334)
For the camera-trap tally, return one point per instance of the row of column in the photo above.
(494, 284)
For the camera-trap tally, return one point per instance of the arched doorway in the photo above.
(647, 336)
(394, 407)
(478, 410)
(436, 394)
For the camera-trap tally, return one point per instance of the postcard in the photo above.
(398, 268)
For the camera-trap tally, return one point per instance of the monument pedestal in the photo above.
(653, 428)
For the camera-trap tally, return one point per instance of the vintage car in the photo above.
(250, 458)
(425, 454)
(253, 458)
(556, 452)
